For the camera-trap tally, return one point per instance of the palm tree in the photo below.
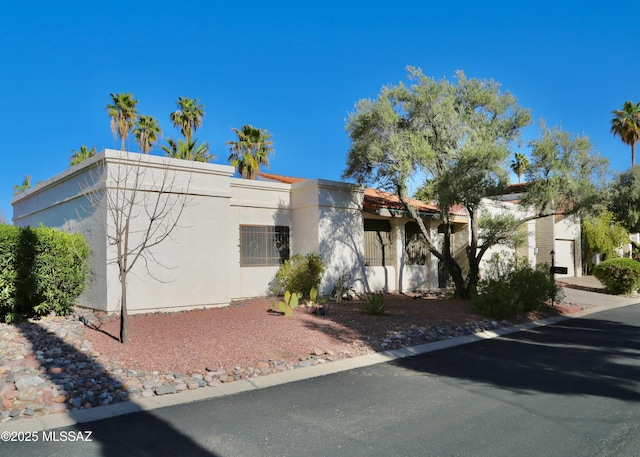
(519, 165)
(188, 151)
(188, 116)
(83, 154)
(251, 150)
(26, 184)
(626, 125)
(123, 113)
(146, 130)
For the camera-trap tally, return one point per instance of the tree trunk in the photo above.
(458, 281)
(123, 263)
(472, 253)
(452, 265)
(473, 278)
(445, 256)
(124, 319)
(633, 154)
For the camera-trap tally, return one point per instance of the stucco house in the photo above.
(558, 234)
(233, 233)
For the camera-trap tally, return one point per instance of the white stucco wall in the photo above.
(180, 273)
(381, 278)
(254, 203)
(61, 202)
(187, 273)
(418, 277)
(305, 217)
(327, 218)
(497, 208)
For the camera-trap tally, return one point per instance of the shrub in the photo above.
(495, 298)
(42, 270)
(509, 290)
(299, 274)
(61, 270)
(620, 276)
(8, 269)
(373, 303)
(534, 287)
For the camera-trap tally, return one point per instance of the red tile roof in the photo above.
(281, 178)
(373, 198)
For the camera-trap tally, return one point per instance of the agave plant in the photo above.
(372, 304)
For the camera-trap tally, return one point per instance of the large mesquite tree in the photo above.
(456, 138)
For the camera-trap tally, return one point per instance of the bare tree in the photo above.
(144, 203)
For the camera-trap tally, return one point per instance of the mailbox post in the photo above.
(553, 270)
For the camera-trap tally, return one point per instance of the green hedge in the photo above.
(619, 276)
(42, 270)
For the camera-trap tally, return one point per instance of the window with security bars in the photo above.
(378, 249)
(415, 245)
(263, 245)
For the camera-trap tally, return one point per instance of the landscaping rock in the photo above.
(25, 382)
(27, 394)
(166, 389)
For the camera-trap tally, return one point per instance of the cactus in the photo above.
(316, 304)
(290, 302)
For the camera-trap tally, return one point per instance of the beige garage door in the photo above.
(565, 256)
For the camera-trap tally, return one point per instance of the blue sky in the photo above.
(296, 69)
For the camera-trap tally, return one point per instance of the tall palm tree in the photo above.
(250, 151)
(188, 151)
(83, 154)
(123, 113)
(626, 125)
(188, 116)
(146, 130)
(519, 165)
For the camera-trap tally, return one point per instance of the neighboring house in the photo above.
(234, 233)
(558, 234)
(627, 249)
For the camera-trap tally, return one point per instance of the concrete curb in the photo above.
(285, 377)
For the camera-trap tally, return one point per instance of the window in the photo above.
(262, 245)
(378, 250)
(415, 245)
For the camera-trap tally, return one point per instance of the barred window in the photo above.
(262, 245)
(415, 245)
(378, 249)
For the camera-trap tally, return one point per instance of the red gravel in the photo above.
(245, 333)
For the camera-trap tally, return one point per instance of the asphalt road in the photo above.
(571, 389)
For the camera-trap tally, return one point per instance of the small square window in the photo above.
(263, 245)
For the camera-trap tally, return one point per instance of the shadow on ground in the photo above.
(584, 356)
(82, 379)
(419, 320)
